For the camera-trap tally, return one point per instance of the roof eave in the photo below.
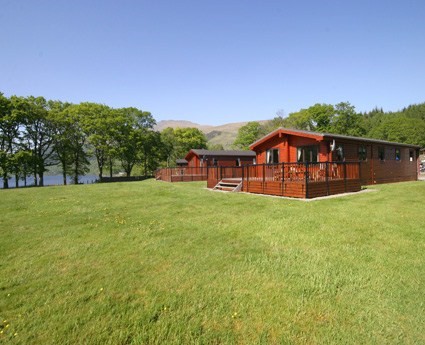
(281, 130)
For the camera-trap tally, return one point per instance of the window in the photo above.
(238, 162)
(411, 155)
(214, 162)
(272, 156)
(397, 154)
(339, 153)
(307, 154)
(381, 153)
(362, 153)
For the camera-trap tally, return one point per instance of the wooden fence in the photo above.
(182, 174)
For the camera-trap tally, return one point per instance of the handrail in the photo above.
(290, 172)
(284, 172)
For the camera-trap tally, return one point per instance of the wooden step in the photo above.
(228, 186)
(225, 189)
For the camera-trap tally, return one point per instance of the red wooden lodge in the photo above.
(194, 167)
(307, 164)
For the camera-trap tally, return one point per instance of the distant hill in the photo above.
(161, 125)
(223, 134)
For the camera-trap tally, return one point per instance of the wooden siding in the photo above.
(294, 189)
(375, 171)
(195, 161)
(372, 170)
(295, 142)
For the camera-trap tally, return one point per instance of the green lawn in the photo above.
(159, 263)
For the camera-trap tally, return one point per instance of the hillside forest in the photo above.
(37, 135)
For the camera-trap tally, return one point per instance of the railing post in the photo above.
(344, 164)
(306, 180)
(360, 171)
(282, 179)
(247, 177)
(264, 176)
(242, 167)
(216, 174)
(327, 177)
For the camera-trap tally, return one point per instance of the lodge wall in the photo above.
(373, 169)
(195, 161)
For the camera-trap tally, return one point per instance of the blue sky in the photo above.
(214, 62)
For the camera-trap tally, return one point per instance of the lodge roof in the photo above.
(221, 153)
(324, 136)
(181, 161)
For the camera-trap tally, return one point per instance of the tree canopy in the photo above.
(405, 126)
(179, 141)
(248, 134)
(36, 133)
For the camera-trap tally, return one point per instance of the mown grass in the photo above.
(161, 263)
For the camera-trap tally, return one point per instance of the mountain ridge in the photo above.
(222, 134)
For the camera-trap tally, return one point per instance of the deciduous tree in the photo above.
(346, 121)
(9, 134)
(99, 125)
(38, 132)
(248, 134)
(187, 139)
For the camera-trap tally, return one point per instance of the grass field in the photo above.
(159, 263)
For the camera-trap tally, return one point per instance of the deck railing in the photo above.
(288, 179)
(313, 172)
(182, 174)
(316, 178)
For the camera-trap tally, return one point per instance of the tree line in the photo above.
(405, 126)
(36, 134)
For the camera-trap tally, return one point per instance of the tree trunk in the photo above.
(100, 172)
(100, 166)
(110, 167)
(16, 180)
(41, 184)
(76, 170)
(5, 182)
(64, 172)
(35, 178)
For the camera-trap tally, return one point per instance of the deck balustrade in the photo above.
(182, 174)
(302, 180)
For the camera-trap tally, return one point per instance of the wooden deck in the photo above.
(297, 180)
